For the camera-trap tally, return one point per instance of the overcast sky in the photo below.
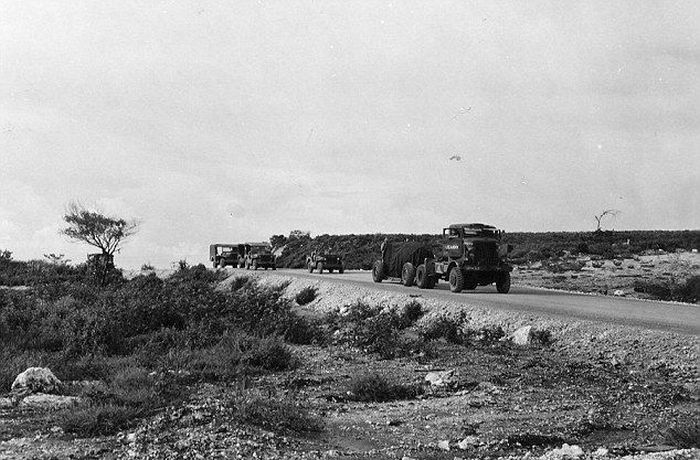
(231, 121)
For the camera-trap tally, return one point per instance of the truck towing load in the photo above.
(473, 255)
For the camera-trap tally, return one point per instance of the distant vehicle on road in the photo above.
(259, 255)
(324, 261)
(223, 254)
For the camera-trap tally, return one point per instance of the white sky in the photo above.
(231, 121)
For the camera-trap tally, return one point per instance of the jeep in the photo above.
(223, 254)
(474, 256)
(320, 260)
(259, 255)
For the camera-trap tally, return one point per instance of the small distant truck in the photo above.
(259, 255)
(324, 261)
(472, 255)
(223, 254)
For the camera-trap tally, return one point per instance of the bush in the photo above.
(375, 387)
(686, 291)
(306, 295)
(685, 434)
(443, 327)
(281, 415)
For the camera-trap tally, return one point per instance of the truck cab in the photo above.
(473, 255)
(223, 254)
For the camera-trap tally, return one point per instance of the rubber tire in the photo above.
(310, 267)
(330, 270)
(422, 280)
(378, 271)
(341, 270)
(456, 279)
(215, 263)
(320, 267)
(503, 282)
(408, 274)
(254, 265)
(274, 267)
(470, 282)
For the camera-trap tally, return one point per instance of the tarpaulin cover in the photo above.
(397, 254)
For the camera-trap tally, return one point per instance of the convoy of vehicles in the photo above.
(469, 255)
(239, 255)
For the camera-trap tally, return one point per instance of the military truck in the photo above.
(409, 263)
(473, 255)
(322, 260)
(259, 255)
(223, 254)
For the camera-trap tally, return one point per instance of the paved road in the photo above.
(663, 316)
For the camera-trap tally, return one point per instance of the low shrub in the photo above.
(281, 415)
(685, 291)
(445, 328)
(306, 295)
(374, 387)
(685, 433)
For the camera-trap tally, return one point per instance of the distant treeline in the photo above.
(359, 251)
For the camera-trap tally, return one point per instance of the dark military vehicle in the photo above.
(474, 256)
(408, 262)
(259, 255)
(223, 254)
(321, 260)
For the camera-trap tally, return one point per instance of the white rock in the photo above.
(619, 292)
(522, 336)
(565, 452)
(601, 452)
(46, 401)
(469, 441)
(441, 378)
(36, 380)
(444, 445)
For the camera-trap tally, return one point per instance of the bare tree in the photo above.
(607, 212)
(96, 229)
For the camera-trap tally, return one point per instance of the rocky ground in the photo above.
(609, 277)
(596, 391)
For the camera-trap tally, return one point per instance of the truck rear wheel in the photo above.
(341, 270)
(423, 280)
(456, 280)
(378, 271)
(408, 274)
(503, 282)
(320, 267)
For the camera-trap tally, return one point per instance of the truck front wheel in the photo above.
(456, 280)
(503, 282)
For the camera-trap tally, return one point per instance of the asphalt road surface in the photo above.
(662, 316)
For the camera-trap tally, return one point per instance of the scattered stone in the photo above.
(36, 380)
(5, 403)
(601, 452)
(442, 378)
(47, 401)
(565, 452)
(469, 441)
(619, 293)
(444, 445)
(522, 336)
